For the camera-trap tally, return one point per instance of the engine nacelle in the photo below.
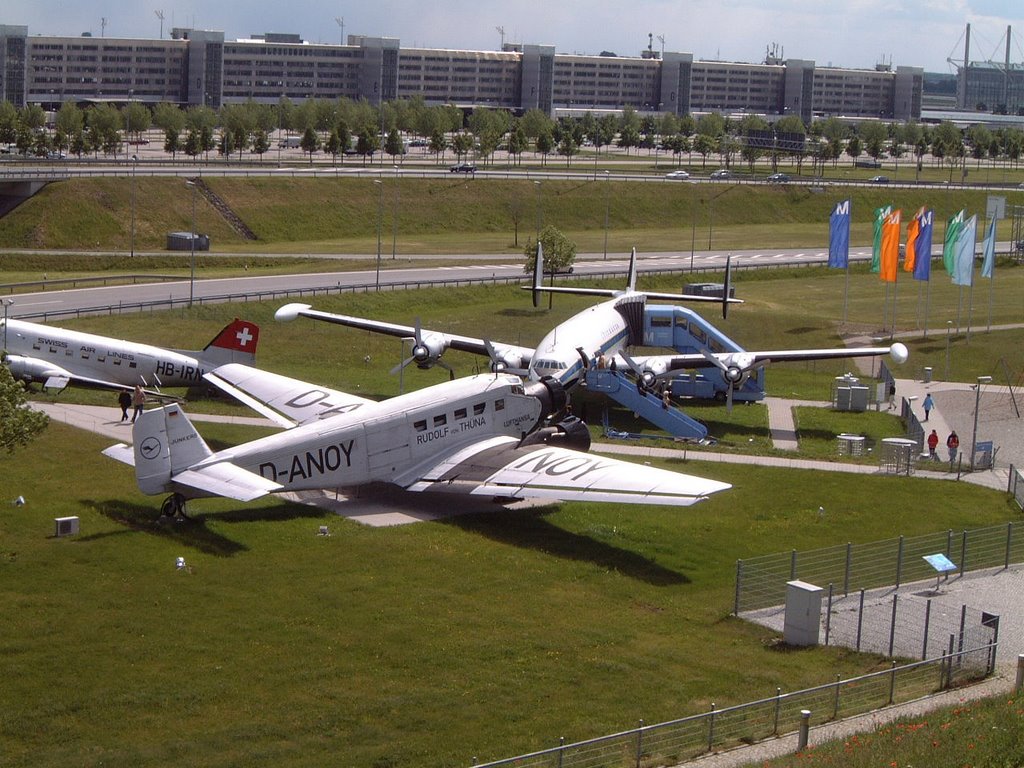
(570, 432)
(551, 394)
(736, 368)
(30, 369)
(653, 369)
(507, 360)
(428, 350)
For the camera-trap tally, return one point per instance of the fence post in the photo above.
(711, 727)
(963, 624)
(1020, 672)
(892, 625)
(1009, 542)
(736, 597)
(828, 613)
(899, 562)
(561, 750)
(949, 663)
(805, 729)
(846, 573)
(835, 702)
(778, 700)
(963, 554)
(927, 622)
(892, 683)
(639, 742)
(860, 618)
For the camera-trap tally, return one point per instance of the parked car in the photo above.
(778, 178)
(680, 174)
(721, 173)
(879, 180)
(463, 168)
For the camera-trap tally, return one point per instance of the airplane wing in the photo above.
(433, 338)
(287, 402)
(501, 467)
(667, 365)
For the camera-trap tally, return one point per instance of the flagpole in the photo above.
(927, 300)
(846, 292)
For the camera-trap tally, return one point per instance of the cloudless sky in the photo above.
(847, 33)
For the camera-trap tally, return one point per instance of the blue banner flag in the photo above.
(923, 245)
(963, 252)
(989, 251)
(839, 236)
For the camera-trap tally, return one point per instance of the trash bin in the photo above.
(927, 378)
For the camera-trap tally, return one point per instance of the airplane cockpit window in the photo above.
(517, 389)
(420, 426)
(499, 405)
(479, 408)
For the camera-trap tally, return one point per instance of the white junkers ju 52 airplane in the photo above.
(58, 357)
(605, 330)
(480, 435)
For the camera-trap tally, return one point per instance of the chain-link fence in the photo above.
(761, 581)
(689, 737)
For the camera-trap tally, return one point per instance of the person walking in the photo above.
(933, 444)
(138, 400)
(928, 404)
(124, 399)
(953, 444)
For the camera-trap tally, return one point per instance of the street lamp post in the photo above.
(380, 215)
(977, 403)
(135, 162)
(192, 247)
(537, 186)
(693, 221)
(7, 303)
(607, 205)
(949, 327)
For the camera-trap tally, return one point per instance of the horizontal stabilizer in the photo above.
(121, 452)
(224, 479)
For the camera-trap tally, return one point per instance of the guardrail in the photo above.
(63, 283)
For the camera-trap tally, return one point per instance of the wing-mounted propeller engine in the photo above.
(427, 349)
(570, 432)
(505, 359)
(735, 368)
(647, 373)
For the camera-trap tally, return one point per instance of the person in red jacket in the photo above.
(933, 443)
(953, 443)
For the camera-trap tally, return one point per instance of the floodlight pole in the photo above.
(394, 220)
(977, 403)
(135, 162)
(7, 303)
(949, 327)
(607, 205)
(380, 215)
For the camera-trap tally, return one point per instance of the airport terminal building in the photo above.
(196, 67)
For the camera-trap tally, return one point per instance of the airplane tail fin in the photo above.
(727, 288)
(165, 443)
(631, 276)
(538, 275)
(236, 343)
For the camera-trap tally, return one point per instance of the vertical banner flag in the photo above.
(910, 251)
(989, 251)
(890, 254)
(963, 252)
(876, 243)
(923, 245)
(953, 227)
(839, 236)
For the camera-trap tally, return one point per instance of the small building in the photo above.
(182, 241)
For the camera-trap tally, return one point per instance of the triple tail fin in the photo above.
(538, 274)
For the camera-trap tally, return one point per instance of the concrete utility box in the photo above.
(803, 613)
(65, 526)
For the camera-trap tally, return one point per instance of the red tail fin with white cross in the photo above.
(236, 343)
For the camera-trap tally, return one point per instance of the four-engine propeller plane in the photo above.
(605, 330)
(478, 435)
(57, 357)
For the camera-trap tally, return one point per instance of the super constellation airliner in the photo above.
(479, 435)
(57, 357)
(604, 330)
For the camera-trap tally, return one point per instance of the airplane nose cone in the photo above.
(898, 352)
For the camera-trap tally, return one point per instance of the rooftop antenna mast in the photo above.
(661, 39)
(160, 15)
(103, 26)
(501, 31)
(341, 23)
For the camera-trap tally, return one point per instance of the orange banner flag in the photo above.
(890, 255)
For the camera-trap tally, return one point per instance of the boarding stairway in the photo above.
(648, 405)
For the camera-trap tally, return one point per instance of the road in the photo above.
(58, 303)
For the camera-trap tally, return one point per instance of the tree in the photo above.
(545, 143)
(310, 142)
(559, 251)
(18, 423)
(394, 145)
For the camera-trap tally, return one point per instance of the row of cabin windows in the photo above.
(458, 415)
(85, 355)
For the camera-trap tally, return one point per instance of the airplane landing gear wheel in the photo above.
(173, 506)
